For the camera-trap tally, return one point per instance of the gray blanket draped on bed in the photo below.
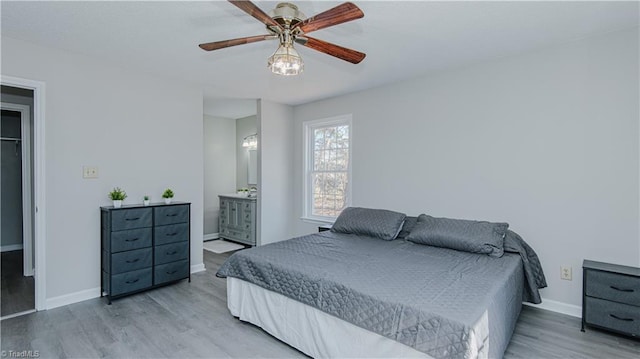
(534, 277)
(439, 301)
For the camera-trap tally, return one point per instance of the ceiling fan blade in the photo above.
(334, 16)
(340, 52)
(251, 9)
(210, 46)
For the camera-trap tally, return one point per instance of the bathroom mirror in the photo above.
(252, 173)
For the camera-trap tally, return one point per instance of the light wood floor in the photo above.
(17, 293)
(192, 320)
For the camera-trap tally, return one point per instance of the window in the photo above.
(327, 168)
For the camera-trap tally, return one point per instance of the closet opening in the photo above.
(17, 202)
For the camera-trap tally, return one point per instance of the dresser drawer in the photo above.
(171, 252)
(130, 218)
(613, 286)
(130, 281)
(171, 215)
(130, 260)
(172, 233)
(131, 239)
(171, 271)
(617, 316)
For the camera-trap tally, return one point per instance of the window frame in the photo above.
(308, 143)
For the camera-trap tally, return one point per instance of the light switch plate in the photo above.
(89, 172)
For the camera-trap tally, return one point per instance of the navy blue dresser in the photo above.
(144, 247)
(611, 297)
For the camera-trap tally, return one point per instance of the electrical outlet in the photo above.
(566, 272)
(89, 172)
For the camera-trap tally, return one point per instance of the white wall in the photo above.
(144, 134)
(219, 167)
(245, 126)
(547, 141)
(275, 166)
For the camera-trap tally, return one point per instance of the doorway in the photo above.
(230, 164)
(16, 187)
(26, 98)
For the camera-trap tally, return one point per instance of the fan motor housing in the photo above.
(287, 14)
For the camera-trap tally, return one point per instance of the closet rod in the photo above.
(10, 139)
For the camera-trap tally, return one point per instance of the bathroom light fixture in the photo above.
(250, 142)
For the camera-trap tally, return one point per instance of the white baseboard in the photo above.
(559, 307)
(11, 247)
(211, 236)
(71, 298)
(198, 268)
(87, 294)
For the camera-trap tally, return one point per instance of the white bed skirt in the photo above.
(310, 330)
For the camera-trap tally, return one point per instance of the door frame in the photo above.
(25, 145)
(39, 182)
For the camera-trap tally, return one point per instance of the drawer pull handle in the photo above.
(172, 215)
(172, 253)
(131, 240)
(624, 319)
(172, 272)
(172, 234)
(132, 219)
(132, 281)
(621, 289)
(133, 260)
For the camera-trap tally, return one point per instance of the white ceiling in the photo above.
(401, 39)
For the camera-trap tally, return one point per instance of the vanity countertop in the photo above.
(233, 195)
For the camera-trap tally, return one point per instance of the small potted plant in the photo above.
(117, 195)
(145, 200)
(244, 192)
(167, 195)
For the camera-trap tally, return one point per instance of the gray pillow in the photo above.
(463, 235)
(378, 223)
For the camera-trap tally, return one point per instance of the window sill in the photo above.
(317, 220)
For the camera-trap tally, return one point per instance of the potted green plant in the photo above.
(167, 195)
(244, 192)
(117, 195)
(145, 200)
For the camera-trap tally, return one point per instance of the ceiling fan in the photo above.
(289, 25)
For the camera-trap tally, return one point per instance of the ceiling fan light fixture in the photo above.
(286, 61)
(289, 25)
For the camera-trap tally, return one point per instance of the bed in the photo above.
(334, 294)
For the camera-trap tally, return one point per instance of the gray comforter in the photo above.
(439, 301)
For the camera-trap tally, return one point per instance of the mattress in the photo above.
(438, 301)
(310, 330)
